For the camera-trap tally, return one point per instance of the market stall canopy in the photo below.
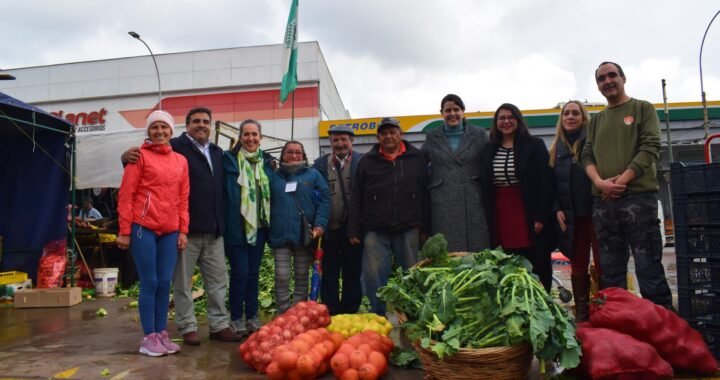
(17, 116)
(34, 182)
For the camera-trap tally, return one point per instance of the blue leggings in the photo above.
(155, 257)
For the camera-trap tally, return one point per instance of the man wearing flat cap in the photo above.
(339, 169)
(388, 207)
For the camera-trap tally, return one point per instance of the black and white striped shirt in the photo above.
(504, 167)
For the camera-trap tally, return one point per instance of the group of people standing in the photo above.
(185, 203)
(182, 199)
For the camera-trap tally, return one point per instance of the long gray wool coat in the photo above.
(454, 187)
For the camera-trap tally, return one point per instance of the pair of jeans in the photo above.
(154, 257)
(380, 249)
(341, 258)
(302, 259)
(208, 252)
(632, 220)
(245, 260)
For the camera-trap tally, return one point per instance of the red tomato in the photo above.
(274, 372)
(357, 359)
(339, 363)
(306, 365)
(350, 374)
(368, 372)
(287, 360)
(379, 360)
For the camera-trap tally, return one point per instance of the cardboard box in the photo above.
(53, 297)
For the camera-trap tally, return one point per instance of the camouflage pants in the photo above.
(632, 221)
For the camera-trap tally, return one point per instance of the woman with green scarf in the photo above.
(246, 193)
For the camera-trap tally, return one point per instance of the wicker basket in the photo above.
(497, 363)
(482, 363)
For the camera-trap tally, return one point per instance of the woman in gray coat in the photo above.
(454, 152)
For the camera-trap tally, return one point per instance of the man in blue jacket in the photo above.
(388, 209)
(339, 169)
(205, 246)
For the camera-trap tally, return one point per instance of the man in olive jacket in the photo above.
(619, 156)
(388, 207)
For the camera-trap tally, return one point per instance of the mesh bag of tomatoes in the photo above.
(257, 350)
(351, 324)
(307, 356)
(363, 356)
(52, 265)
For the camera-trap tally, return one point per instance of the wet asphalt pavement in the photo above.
(42, 343)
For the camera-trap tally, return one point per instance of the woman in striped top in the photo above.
(518, 187)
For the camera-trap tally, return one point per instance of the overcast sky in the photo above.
(400, 57)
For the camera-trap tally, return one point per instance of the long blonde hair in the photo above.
(560, 133)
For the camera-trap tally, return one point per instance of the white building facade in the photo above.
(108, 100)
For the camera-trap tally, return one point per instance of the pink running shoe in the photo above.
(152, 345)
(169, 345)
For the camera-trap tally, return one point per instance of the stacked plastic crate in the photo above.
(696, 212)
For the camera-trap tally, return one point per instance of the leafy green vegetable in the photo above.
(436, 249)
(404, 358)
(486, 299)
(266, 294)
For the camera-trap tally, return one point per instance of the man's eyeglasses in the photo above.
(506, 118)
(611, 75)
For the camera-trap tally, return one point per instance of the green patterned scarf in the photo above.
(251, 181)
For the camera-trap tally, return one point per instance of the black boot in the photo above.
(581, 292)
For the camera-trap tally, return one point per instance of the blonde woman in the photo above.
(573, 201)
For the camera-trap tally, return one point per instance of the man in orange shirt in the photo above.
(387, 209)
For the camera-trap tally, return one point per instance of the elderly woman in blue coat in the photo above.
(299, 201)
(246, 196)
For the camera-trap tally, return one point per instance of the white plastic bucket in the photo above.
(105, 281)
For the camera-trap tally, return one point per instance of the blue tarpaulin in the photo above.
(34, 182)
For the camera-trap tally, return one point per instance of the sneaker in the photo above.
(169, 345)
(238, 326)
(253, 324)
(152, 346)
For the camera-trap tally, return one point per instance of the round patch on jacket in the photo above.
(628, 120)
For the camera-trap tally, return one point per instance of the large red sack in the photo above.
(673, 338)
(611, 355)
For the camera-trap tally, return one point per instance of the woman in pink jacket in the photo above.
(153, 217)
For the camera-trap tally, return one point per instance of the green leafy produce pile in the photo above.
(266, 288)
(485, 299)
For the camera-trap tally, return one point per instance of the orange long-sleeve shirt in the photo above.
(154, 191)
